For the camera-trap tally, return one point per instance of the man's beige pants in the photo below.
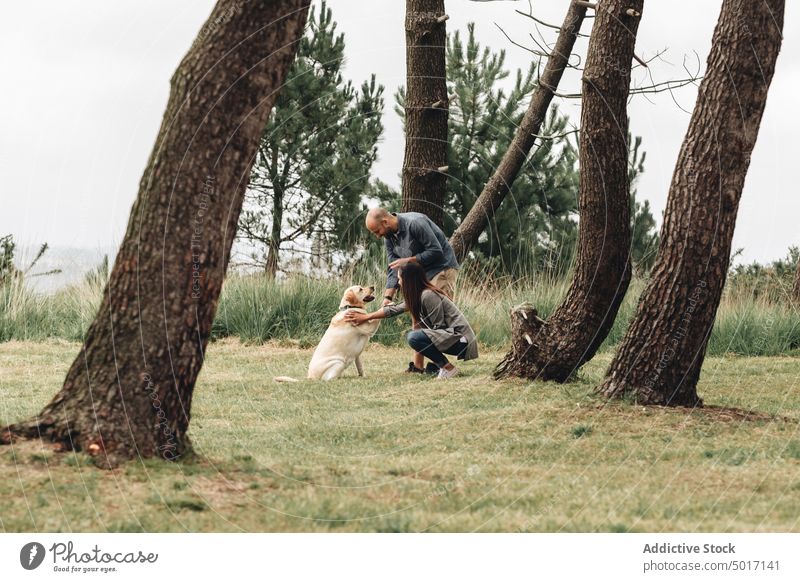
(446, 281)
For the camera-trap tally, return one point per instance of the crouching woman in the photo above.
(439, 327)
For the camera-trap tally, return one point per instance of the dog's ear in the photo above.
(350, 298)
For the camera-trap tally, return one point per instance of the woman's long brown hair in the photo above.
(415, 281)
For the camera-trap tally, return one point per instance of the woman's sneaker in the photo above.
(445, 374)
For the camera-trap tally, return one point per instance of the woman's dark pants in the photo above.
(421, 343)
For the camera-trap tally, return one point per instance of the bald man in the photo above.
(412, 236)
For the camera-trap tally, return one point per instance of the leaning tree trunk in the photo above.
(426, 109)
(129, 392)
(659, 359)
(554, 349)
(474, 223)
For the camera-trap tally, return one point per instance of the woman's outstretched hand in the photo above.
(356, 317)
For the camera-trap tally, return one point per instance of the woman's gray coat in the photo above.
(442, 322)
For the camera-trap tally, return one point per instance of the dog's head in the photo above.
(356, 296)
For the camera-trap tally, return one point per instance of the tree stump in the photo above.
(526, 328)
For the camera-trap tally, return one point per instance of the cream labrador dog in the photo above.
(343, 342)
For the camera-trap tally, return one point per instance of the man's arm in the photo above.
(391, 274)
(388, 296)
(424, 235)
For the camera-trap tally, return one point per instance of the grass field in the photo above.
(393, 453)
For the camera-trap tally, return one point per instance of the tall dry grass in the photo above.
(298, 310)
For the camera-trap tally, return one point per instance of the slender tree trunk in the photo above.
(274, 248)
(554, 349)
(129, 392)
(427, 109)
(474, 223)
(659, 359)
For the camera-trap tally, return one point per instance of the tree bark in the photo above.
(427, 109)
(474, 223)
(554, 349)
(274, 246)
(129, 392)
(659, 359)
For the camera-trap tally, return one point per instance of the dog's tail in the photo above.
(285, 379)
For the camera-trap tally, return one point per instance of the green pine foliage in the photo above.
(7, 249)
(644, 236)
(536, 228)
(315, 156)
(536, 223)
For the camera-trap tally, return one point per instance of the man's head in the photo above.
(381, 222)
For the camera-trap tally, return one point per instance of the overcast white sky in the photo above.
(86, 83)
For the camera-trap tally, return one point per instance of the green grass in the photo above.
(297, 311)
(27, 315)
(396, 453)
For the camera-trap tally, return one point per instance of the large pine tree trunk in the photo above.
(426, 108)
(659, 359)
(129, 392)
(554, 349)
(474, 223)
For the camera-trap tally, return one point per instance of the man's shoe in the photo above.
(412, 369)
(445, 374)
